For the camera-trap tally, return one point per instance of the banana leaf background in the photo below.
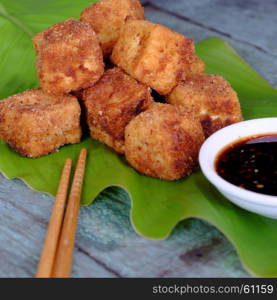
(157, 206)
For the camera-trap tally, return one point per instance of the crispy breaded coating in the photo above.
(164, 142)
(108, 16)
(214, 101)
(34, 123)
(111, 104)
(154, 54)
(198, 66)
(69, 57)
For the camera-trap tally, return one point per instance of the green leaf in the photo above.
(156, 206)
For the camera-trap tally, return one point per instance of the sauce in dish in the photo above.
(251, 163)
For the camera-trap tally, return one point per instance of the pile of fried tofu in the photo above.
(143, 90)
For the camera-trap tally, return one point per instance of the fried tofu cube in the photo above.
(111, 104)
(213, 99)
(69, 57)
(154, 54)
(108, 16)
(164, 142)
(34, 123)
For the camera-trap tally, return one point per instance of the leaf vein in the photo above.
(18, 23)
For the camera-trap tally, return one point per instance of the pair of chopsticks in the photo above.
(57, 253)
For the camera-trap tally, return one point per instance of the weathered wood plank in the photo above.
(194, 248)
(263, 63)
(252, 21)
(24, 215)
(106, 244)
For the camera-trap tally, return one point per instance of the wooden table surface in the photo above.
(107, 246)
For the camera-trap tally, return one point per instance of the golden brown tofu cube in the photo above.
(69, 57)
(34, 123)
(108, 16)
(164, 141)
(212, 97)
(154, 54)
(111, 104)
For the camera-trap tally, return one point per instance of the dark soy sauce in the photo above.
(251, 163)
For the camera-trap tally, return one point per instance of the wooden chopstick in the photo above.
(63, 260)
(46, 262)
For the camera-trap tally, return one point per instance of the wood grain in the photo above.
(251, 21)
